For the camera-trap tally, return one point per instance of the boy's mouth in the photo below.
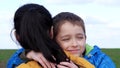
(75, 51)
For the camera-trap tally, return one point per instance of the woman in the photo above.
(32, 33)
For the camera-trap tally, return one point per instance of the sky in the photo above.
(101, 19)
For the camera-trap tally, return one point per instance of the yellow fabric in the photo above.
(83, 63)
(30, 64)
(78, 60)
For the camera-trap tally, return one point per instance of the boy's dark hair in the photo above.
(32, 23)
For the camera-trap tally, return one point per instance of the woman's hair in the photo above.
(62, 17)
(32, 23)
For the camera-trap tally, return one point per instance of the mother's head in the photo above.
(32, 23)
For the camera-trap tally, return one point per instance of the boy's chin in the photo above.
(77, 55)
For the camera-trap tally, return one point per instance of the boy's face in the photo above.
(71, 38)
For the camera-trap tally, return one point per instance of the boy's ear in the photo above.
(85, 37)
(51, 32)
(17, 36)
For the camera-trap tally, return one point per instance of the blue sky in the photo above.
(101, 19)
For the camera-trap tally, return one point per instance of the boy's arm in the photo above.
(106, 62)
(99, 59)
(15, 59)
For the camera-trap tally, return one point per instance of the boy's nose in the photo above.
(75, 43)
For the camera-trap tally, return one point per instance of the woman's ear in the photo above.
(17, 36)
(51, 32)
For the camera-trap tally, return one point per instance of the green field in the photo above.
(113, 53)
(4, 56)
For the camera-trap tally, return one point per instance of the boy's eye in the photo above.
(80, 37)
(65, 39)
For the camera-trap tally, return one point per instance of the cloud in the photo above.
(66, 2)
(74, 2)
(108, 2)
(102, 32)
(94, 20)
(103, 36)
(6, 22)
(114, 25)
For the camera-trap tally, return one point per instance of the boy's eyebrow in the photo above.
(80, 34)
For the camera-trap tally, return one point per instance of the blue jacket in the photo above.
(99, 59)
(95, 56)
(15, 60)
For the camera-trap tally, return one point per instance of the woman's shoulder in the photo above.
(30, 64)
(80, 61)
